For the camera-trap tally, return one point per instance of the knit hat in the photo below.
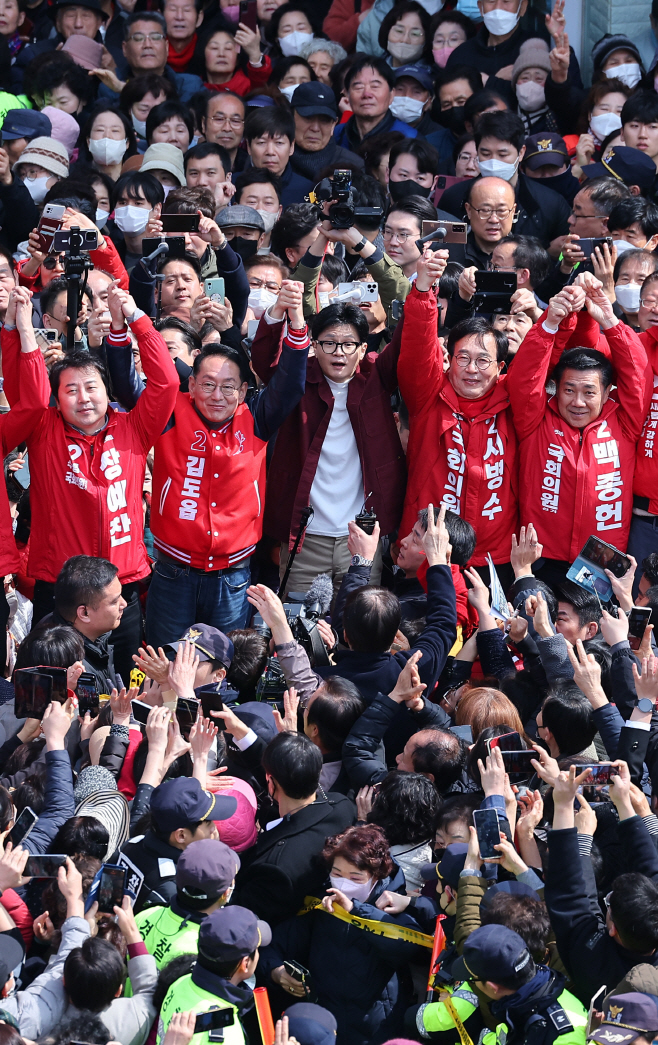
(609, 43)
(47, 153)
(85, 52)
(91, 780)
(165, 157)
(239, 831)
(533, 55)
(65, 128)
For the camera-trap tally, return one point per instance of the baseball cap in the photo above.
(210, 643)
(311, 1024)
(542, 149)
(450, 866)
(206, 867)
(231, 933)
(627, 1016)
(315, 99)
(420, 73)
(246, 217)
(492, 952)
(259, 716)
(25, 123)
(631, 166)
(165, 157)
(11, 954)
(182, 802)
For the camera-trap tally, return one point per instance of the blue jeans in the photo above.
(642, 540)
(179, 597)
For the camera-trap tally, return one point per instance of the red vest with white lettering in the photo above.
(646, 464)
(206, 509)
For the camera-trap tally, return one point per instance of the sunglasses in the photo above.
(53, 261)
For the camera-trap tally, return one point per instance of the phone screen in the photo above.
(44, 866)
(606, 557)
(519, 762)
(111, 888)
(638, 619)
(488, 832)
(33, 693)
(600, 773)
(140, 711)
(214, 1019)
(87, 693)
(24, 824)
(506, 742)
(186, 713)
(179, 222)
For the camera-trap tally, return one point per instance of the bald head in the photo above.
(490, 211)
(494, 192)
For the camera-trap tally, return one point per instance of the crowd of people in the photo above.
(329, 533)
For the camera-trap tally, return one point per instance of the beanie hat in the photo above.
(47, 153)
(604, 47)
(91, 780)
(65, 128)
(165, 157)
(533, 55)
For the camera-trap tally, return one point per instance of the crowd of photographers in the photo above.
(329, 525)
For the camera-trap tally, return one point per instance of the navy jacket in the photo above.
(59, 803)
(347, 134)
(294, 187)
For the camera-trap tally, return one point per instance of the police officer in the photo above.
(205, 877)
(181, 813)
(229, 941)
(528, 1001)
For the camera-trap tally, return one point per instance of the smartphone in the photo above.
(606, 556)
(50, 222)
(587, 244)
(180, 222)
(214, 1019)
(366, 291)
(45, 336)
(519, 762)
(140, 711)
(187, 710)
(22, 476)
(445, 181)
(488, 832)
(600, 773)
(455, 231)
(32, 693)
(176, 245)
(493, 291)
(22, 827)
(506, 742)
(249, 14)
(214, 289)
(638, 619)
(111, 888)
(44, 866)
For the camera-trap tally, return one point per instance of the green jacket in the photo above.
(167, 934)
(186, 996)
(392, 282)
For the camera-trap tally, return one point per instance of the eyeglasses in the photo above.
(228, 391)
(53, 261)
(487, 211)
(139, 38)
(577, 217)
(482, 362)
(257, 284)
(467, 157)
(330, 348)
(607, 897)
(401, 237)
(220, 117)
(649, 302)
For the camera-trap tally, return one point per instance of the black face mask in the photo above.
(399, 190)
(564, 183)
(453, 119)
(246, 248)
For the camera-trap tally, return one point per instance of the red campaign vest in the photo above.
(646, 463)
(206, 509)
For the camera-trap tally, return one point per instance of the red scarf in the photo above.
(179, 60)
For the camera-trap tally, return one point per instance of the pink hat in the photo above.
(83, 51)
(65, 128)
(239, 831)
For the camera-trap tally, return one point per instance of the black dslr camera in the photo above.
(303, 612)
(337, 191)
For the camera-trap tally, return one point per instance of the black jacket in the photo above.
(476, 52)
(541, 211)
(151, 866)
(98, 658)
(285, 865)
(18, 214)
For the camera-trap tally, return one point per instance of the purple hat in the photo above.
(65, 128)
(232, 933)
(85, 52)
(207, 866)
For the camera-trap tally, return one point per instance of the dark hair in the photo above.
(206, 149)
(6, 809)
(367, 61)
(93, 974)
(187, 332)
(82, 834)
(646, 256)
(64, 74)
(8, 1034)
(503, 125)
(365, 846)
(334, 710)
(457, 808)
(568, 715)
(417, 206)
(650, 567)
(295, 763)
(441, 753)
(641, 106)
(134, 182)
(214, 95)
(372, 149)
(406, 808)
(584, 359)
(529, 254)
(478, 103)
(449, 281)
(272, 29)
(295, 223)
(462, 535)
(463, 140)
(479, 327)
(159, 114)
(57, 645)
(250, 650)
(459, 72)
(32, 792)
(634, 912)
(70, 193)
(83, 1026)
(143, 16)
(259, 260)
(76, 360)
(457, 18)
(524, 915)
(284, 65)
(257, 176)
(635, 209)
(98, 110)
(426, 156)
(137, 87)
(189, 201)
(341, 312)
(370, 619)
(401, 8)
(605, 193)
(335, 270)
(189, 258)
(81, 582)
(227, 352)
(270, 120)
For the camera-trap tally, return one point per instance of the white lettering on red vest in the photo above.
(191, 490)
(550, 487)
(493, 471)
(608, 482)
(651, 423)
(456, 459)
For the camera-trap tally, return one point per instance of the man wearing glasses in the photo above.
(223, 124)
(145, 50)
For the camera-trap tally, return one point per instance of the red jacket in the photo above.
(468, 463)
(86, 491)
(106, 259)
(245, 80)
(299, 440)
(645, 484)
(573, 482)
(342, 21)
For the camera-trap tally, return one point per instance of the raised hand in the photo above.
(408, 685)
(154, 665)
(361, 543)
(525, 551)
(287, 724)
(478, 593)
(430, 267)
(559, 57)
(290, 301)
(646, 681)
(182, 673)
(587, 674)
(436, 540)
(568, 300)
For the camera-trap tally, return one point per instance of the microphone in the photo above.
(162, 248)
(318, 597)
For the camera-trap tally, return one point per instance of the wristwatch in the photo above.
(644, 704)
(358, 247)
(360, 560)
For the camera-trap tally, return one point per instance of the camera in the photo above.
(75, 240)
(272, 684)
(493, 292)
(337, 191)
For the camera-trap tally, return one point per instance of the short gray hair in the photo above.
(333, 49)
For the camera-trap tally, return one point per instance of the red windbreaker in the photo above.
(87, 490)
(469, 463)
(577, 482)
(646, 470)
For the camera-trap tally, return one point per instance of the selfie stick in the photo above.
(264, 1013)
(307, 515)
(437, 951)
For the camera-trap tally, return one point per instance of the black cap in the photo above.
(542, 149)
(210, 643)
(493, 953)
(11, 954)
(91, 5)
(315, 99)
(231, 933)
(311, 1024)
(182, 802)
(631, 166)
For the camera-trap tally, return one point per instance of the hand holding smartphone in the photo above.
(488, 832)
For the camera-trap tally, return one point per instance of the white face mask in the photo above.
(629, 73)
(405, 52)
(260, 300)
(431, 6)
(323, 298)
(498, 169)
(628, 296)
(139, 125)
(531, 96)
(499, 23)
(293, 42)
(37, 187)
(107, 151)
(269, 219)
(290, 89)
(131, 219)
(604, 124)
(622, 246)
(101, 217)
(407, 109)
(359, 891)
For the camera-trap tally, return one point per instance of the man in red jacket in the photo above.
(462, 444)
(578, 447)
